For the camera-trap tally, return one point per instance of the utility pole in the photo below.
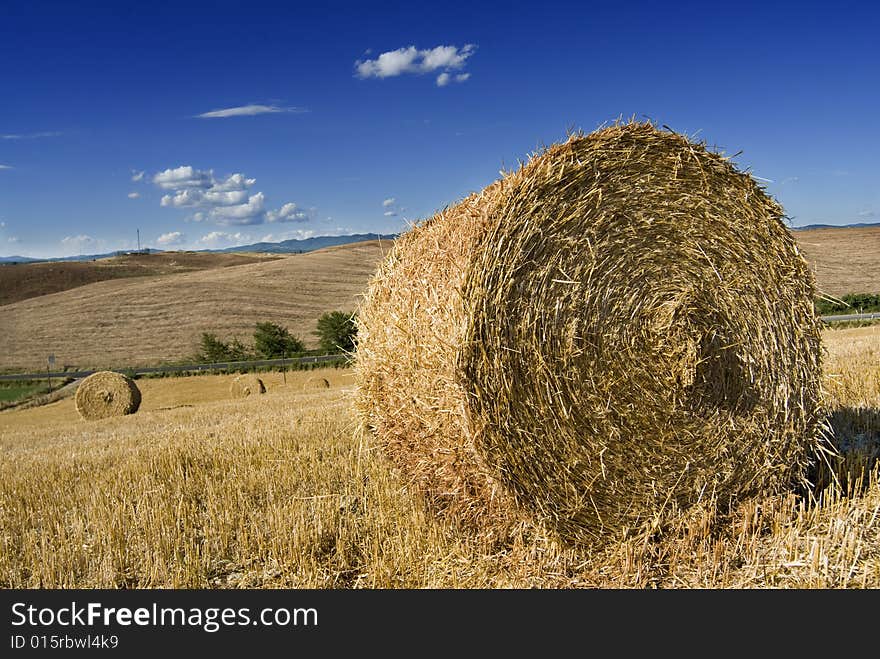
(139, 240)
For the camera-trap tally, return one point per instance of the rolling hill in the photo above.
(151, 319)
(160, 315)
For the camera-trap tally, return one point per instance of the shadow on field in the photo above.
(855, 436)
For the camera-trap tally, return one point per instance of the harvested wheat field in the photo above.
(281, 490)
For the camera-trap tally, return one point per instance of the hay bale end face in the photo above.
(317, 383)
(621, 328)
(246, 385)
(105, 394)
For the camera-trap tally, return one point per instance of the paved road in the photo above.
(852, 316)
(216, 366)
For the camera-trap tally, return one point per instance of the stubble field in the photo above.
(283, 490)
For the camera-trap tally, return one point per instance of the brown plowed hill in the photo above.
(22, 281)
(844, 260)
(148, 320)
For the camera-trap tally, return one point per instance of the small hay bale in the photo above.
(317, 383)
(246, 385)
(105, 394)
(618, 330)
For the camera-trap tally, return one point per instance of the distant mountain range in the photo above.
(837, 226)
(283, 247)
(319, 242)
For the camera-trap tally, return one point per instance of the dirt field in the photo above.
(281, 490)
(844, 260)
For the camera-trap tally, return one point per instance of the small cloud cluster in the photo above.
(226, 201)
(170, 238)
(5, 166)
(444, 59)
(248, 111)
(391, 207)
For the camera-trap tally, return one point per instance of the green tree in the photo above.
(213, 349)
(337, 331)
(272, 341)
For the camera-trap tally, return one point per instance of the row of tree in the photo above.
(336, 332)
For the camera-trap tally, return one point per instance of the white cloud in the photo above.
(137, 176)
(29, 136)
(297, 234)
(289, 212)
(79, 243)
(461, 77)
(134, 195)
(234, 182)
(224, 239)
(224, 201)
(868, 214)
(183, 177)
(170, 238)
(248, 111)
(392, 208)
(6, 167)
(13, 239)
(412, 60)
(2, 225)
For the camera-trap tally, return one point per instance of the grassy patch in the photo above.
(17, 391)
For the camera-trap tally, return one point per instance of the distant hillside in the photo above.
(150, 319)
(858, 225)
(284, 247)
(308, 244)
(22, 281)
(845, 260)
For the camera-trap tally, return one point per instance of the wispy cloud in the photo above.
(6, 167)
(13, 239)
(225, 201)
(134, 195)
(29, 136)
(170, 238)
(248, 111)
(137, 176)
(79, 244)
(867, 214)
(444, 59)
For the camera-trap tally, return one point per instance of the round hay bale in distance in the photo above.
(245, 385)
(317, 383)
(105, 394)
(621, 328)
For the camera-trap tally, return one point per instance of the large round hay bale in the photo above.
(106, 393)
(621, 328)
(317, 383)
(246, 384)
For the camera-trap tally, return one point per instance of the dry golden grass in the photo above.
(145, 320)
(279, 490)
(844, 260)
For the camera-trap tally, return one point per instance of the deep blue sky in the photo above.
(92, 94)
